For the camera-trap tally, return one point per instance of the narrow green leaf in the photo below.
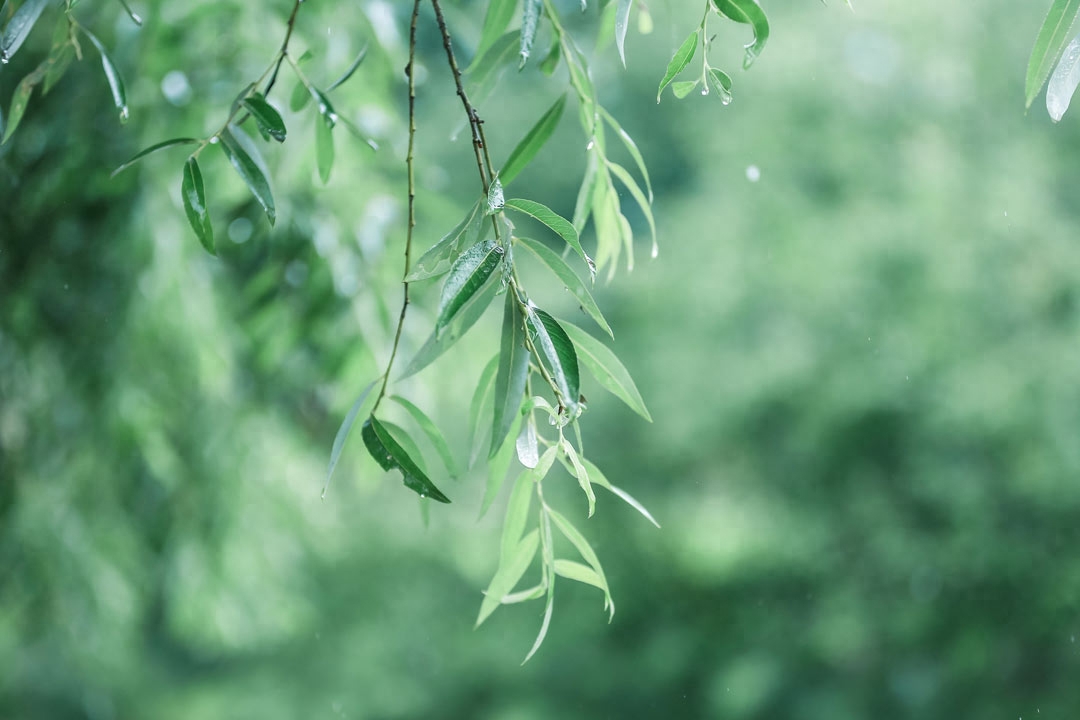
(530, 22)
(1051, 40)
(513, 371)
(578, 540)
(750, 13)
(572, 570)
(20, 25)
(468, 275)
(682, 88)
(530, 145)
(556, 352)
(349, 72)
(527, 444)
(245, 158)
(597, 478)
(508, 575)
(533, 593)
(679, 61)
(390, 455)
(549, 604)
(557, 223)
(440, 256)
(19, 101)
(580, 473)
(498, 17)
(194, 197)
(431, 430)
(1062, 85)
(441, 340)
(551, 59)
(498, 466)
(152, 149)
(481, 401)
(627, 180)
(486, 63)
(622, 20)
(131, 13)
(61, 53)
(411, 447)
(343, 432)
(517, 514)
(606, 368)
(112, 74)
(324, 148)
(631, 147)
(268, 118)
(326, 109)
(583, 207)
(299, 98)
(569, 279)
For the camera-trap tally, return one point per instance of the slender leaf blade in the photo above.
(431, 430)
(622, 20)
(481, 400)
(112, 74)
(682, 57)
(496, 19)
(572, 570)
(324, 148)
(468, 275)
(19, 27)
(498, 466)
(343, 78)
(153, 149)
(438, 259)
(556, 223)
(390, 455)
(249, 165)
(598, 478)
(1051, 40)
(533, 141)
(512, 374)
(517, 514)
(343, 432)
(530, 23)
(1063, 83)
(268, 118)
(194, 197)
(441, 340)
(556, 351)
(508, 575)
(568, 277)
(607, 369)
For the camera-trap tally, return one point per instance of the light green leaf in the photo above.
(532, 142)
(622, 20)
(498, 466)
(631, 147)
(439, 341)
(299, 98)
(268, 118)
(597, 478)
(549, 574)
(343, 432)
(496, 19)
(481, 401)
(508, 575)
(527, 445)
(568, 277)
(245, 158)
(495, 197)
(390, 455)
(513, 371)
(578, 540)
(431, 430)
(438, 258)
(517, 515)
(579, 573)
(194, 196)
(533, 593)
(351, 69)
(639, 197)
(683, 88)
(20, 25)
(530, 22)
(580, 473)
(1053, 34)
(720, 82)
(750, 13)
(556, 352)
(1062, 85)
(551, 60)
(485, 68)
(324, 148)
(679, 61)
(557, 223)
(152, 149)
(112, 74)
(606, 368)
(468, 275)
(583, 207)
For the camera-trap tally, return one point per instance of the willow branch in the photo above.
(284, 46)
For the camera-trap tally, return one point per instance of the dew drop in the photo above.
(587, 147)
(214, 140)
(124, 114)
(655, 250)
(4, 58)
(725, 98)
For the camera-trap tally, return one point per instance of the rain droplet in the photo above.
(753, 173)
(587, 147)
(725, 98)
(4, 58)
(124, 114)
(705, 89)
(214, 140)
(655, 250)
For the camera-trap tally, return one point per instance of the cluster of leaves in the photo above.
(1050, 48)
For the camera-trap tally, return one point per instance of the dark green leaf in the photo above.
(498, 16)
(22, 22)
(245, 158)
(439, 341)
(194, 197)
(440, 256)
(401, 437)
(19, 100)
(508, 574)
(679, 61)
(555, 350)
(513, 371)
(749, 12)
(606, 368)
(532, 142)
(152, 149)
(343, 432)
(569, 279)
(530, 22)
(557, 223)
(268, 118)
(1051, 40)
(112, 74)
(622, 20)
(390, 455)
(349, 72)
(468, 275)
(434, 435)
(324, 148)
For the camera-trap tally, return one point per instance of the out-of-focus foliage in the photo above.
(858, 346)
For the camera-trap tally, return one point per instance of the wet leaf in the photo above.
(131, 13)
(441, 340)
(431, 430)
(683, 88)
(606, 368)
(568, 277)
(390, 456)
(440, 256)
(622, 20)
(750, 13)
(194, 196)
(1062, 85)
(467, 276)
(245, 158)
(268, 118)
(557, 223)
(513, 371)
(1051, 40)
(535, 139)
(527, 445)
(19, 27)
(530, 22)
(152, 149)
(679, 61)
(112, 74)
(556, 352)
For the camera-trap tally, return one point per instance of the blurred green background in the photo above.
(863, 367)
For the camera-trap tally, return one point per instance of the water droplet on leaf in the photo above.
(124, 114)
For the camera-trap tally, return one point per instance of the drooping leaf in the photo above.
(508, 575)
(532, 142)
(530, 22)
(194, 196)
(513, 371)
(549, 573)
(324, 148)
(572, 570)
(606, 368)
(268, 118)
(1062, 85)
(349, 72)
(579, 472)
(498, 465)
(326, 109)
(517, 514)
(112, 74)
(578, 540)
(527, 444)
(750, 13)
(682, 88)
(485, 64)
(245, 158)
(481, 402)
(1051, 40)
(498, 16)
(411, 447)
(390, 455)
(434, 435)
(556, 352)
(679, 61)
(152, 149)
(131, 13)
(622, 20)
(631, 147)
(569, 279)
(19, 101)
(299, 98)
(495, 197)
(583, 207)
(20, 25)
(439, 341)
(467, 276)
(550, 61)
(438, 258)
(557, 223)
(597, 478)
(343, 432)
(628, 181)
